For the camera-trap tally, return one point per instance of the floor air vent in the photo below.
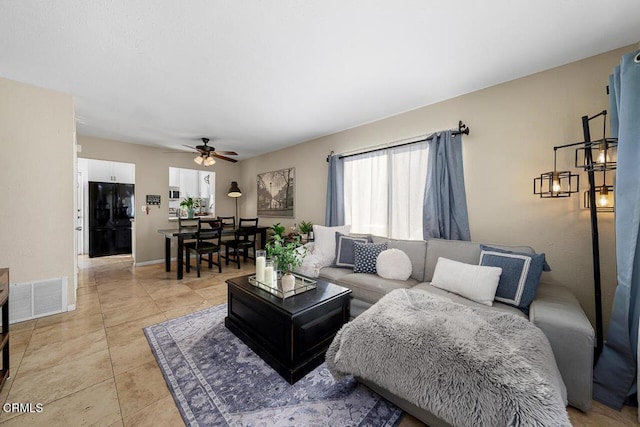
(31, 300)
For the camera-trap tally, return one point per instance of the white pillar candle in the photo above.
(268, 275)
(260, 261)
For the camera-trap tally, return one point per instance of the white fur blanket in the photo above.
(468, 366)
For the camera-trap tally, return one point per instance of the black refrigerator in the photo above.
(111, 209)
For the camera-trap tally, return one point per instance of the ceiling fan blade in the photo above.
(232, 153)
(176, 152)
(190, 146)
(229, 159)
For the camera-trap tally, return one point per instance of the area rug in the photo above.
(216, 380)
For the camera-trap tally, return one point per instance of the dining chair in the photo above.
(207, 242)
(186, 225)
(228, 223)
(243, 241)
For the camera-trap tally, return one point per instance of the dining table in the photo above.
(190, 233)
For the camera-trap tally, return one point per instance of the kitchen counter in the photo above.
(207, 216)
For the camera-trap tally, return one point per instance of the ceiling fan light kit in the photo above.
(207, 153)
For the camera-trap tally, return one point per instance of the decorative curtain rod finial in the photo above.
(462, 128)
(330, 154)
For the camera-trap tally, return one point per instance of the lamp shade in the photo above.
(605, 198)
(234, 190)
(198, 160)
(556, 184)
(604, 155)
(209, 161)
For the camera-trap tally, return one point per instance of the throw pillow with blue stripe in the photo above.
(520, 275)
(345, 254)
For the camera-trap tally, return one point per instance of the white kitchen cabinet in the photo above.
(174, 177)
(124, 172)
(106, 171)
(206, 181)
(189, 183)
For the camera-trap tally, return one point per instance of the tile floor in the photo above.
(93, 366)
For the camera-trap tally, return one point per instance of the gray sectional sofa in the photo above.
(555, 310)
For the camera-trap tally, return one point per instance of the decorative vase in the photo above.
(190, 213)
(288, 282)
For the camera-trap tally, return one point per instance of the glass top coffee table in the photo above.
(290, 334)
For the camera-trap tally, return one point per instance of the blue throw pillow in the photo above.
(520, 275)
(366, 255)
(345, 255)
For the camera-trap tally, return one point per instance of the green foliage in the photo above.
(288, 253)
(306, 227)
(278, 229)
(190, 203)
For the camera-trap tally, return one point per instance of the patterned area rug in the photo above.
(217, 380)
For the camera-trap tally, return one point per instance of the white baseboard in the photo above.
(155, 261)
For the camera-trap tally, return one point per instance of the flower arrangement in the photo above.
(288, 253)
(190, 204)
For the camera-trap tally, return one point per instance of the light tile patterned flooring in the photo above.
(93, 366)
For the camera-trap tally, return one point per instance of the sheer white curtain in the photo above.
(384, 191)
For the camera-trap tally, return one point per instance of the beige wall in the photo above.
(513, 129)
(152, 177)
(37, 181)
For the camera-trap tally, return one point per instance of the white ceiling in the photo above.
(261, 75)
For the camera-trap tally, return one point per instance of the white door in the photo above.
(80, 213)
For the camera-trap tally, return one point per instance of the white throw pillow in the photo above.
(475, 282)
(393, 264)
(325, 242)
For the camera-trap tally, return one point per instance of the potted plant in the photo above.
(306, 228)
(287, 255)
(190, 205)
(278, 229)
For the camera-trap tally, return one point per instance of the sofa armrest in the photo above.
(558, 313)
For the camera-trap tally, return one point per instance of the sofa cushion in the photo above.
(458, 250)
(520, 275)
(371, 287)
(415, 249)
(366, 255)
(345, 255)
(325, 241)
(475, 282)
(334, 274)
(393, 264)
(498, 306)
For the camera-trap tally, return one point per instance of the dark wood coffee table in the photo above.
(291, 335)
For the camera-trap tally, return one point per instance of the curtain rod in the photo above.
(462, 129)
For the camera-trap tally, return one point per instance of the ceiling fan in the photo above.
(207, 153)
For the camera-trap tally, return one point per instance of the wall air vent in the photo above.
(30, 300)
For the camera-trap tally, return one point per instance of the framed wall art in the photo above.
(276, 193)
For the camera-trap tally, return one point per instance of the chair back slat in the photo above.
(247, 229)
(228, 221)
(209, 231)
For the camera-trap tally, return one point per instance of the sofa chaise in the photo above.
(555, 310)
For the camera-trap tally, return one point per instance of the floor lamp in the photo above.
(592, 156)
(235, 192)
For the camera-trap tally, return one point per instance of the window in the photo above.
(384, 191)
(192, 183)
